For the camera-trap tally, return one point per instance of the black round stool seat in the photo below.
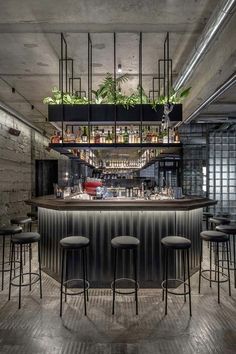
(214, 236)
(127, 242)
(176, 242)
(217, 220)
(26, 237)
(21, 220)
(10, 230)
(74, 242)
(207, 214)
(227, 229)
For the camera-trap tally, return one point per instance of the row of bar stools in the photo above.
(10, 230)
(74, 243)
(26, 238)
(218, 220)
(214, 238)
(129, 243)
(231, 231)
(182, 244)
(26, 223)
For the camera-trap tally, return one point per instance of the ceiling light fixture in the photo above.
(213, 25)
(119, 69)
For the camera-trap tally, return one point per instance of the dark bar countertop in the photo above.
(187, 203)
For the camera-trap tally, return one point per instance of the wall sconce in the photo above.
(14, 132)
(119, 69)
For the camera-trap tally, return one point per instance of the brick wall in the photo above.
(17, 165)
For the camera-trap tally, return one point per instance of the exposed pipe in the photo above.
(222, 13)
(219, 91)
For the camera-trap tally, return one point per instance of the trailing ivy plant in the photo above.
(67, 98)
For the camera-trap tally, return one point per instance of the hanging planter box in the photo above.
(106, 113)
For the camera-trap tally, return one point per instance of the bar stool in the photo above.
(176, 243)
(207, 216)
(22, 221)
(125, 243)
(74, 243)
(218, 220)
(26, 238)
(231, 231)
(10, 230)
(214, 238)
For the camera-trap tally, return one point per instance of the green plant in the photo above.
(109, 90)
(176, 96)
(67, 98)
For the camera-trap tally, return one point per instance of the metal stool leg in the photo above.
(3, 256)
(65, 286)
(85, 309)
(200, 269)
(62, 275)
(163, 270)
(86, 271)
(114, 283)
(227, 255)
(218, 271)
(40, 275)
(30, 257)
(12, 252)
(20, 277)
(183, 258)
(135, 279)
(210, 261)
(166, 280)
(234, 253)
(190, 305)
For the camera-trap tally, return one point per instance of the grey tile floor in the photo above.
(37, 327)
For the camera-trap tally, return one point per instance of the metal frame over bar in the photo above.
(141, 84)
(90, 63)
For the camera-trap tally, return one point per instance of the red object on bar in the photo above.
(90, 186)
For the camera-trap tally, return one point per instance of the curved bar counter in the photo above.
(101, 220)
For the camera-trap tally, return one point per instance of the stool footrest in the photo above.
(25, 284)
(225, 267)
(163, 285)
(125, 292)
(214, 272)
(8, 269)
(75, 280)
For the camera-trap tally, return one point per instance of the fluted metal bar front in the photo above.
(101, 226)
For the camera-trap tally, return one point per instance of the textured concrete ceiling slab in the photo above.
(30, 44)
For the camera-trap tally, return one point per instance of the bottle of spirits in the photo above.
(109, 138)
(103, 137)
(78, 135)
(113, 135)
(120, 137)
(137, 137)
(92, 136)
(126, 136)
(84, 136)
(97, 136)
(165, 136)
(149, 135)
(56, 138)
(176, 136)
(131, 135)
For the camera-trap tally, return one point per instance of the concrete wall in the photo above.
(17, 165)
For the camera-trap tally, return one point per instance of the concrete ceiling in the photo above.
(30, 46)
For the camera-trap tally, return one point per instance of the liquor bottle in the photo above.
(149, 135)
(176, 136)
(103, 137)
(84, 136)
(126, 136)
(155, 136)
(137, 137)
(165, 136)
(69, 137)
(131, 135)
(56, 138)
(120, 137)
(92, 136)
(97, 136)
(78, 135)
(113, 134)
(108, 138)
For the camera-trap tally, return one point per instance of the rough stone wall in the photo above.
(17, 165)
